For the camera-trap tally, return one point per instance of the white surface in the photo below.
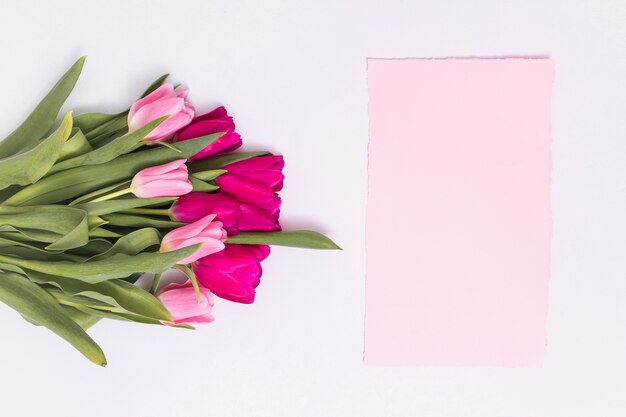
(293, 74)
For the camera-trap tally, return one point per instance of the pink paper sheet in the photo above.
(459, 217)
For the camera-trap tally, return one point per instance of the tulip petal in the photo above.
(234, 273)
(183, 305)
(206, 231)
(164, 90)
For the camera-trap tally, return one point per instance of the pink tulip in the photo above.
(167, 180)
(254, 180)
(206, 231)
(215, 121)
(182, 303)
(161, 102)
(233, 273)
(234, 215)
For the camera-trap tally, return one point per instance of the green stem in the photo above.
(148, 211)
(155, 283)
(112, 195)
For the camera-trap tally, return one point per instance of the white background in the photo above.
(293, 74)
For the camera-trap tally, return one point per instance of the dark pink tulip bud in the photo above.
(254, 180)
(262, 217)
(215, 121)
(234, 215)
(234, 273)
(194, 206)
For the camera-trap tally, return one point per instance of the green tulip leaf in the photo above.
(132, 243)
(61, 226)
(221, 161)
(76, 145)
(100, 192)
(118, 124)
(118, 146)
(95, 246)
(100, 232)
(41, 120)
(297, 239)
(156, 84)
(99, 208)
(73, 182)
(26, 251)
(75, 238)
(31, 301)
(116, 266)
(79, 300)
(115, 293)
(87, 122)
(29, 166)
(133, 220)
(130, 317)
(200, 186)
(83, 319)
(208, 175)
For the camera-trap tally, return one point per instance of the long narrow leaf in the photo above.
(296, 239)
(99, 208)
(117, 266)
(73, 182)
(116, 125)
(27, 167)
(28, 299)
(76, 145)
(83, 319)
(87, 122)
(133, 220)
(132, 243)
(41, 120)
(221, 161)
(124, 294)
(156, 84)
(61, 226)
(119, 146)
(130, 317)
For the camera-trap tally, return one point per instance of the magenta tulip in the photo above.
(254, 180)
(215, 121)
(182, 303)
(164, 101)
(234, 273)
(206, 231)
(261, 216)
(167, 180)
(234, 215)
(194, 206)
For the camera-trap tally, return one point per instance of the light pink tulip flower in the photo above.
(161, 102)
(206, 231)
(167, 180)
(182, 303)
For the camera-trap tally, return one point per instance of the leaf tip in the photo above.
(81, 61)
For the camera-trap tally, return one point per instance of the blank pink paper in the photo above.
(459, 216)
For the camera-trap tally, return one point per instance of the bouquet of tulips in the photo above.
(93, 206)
